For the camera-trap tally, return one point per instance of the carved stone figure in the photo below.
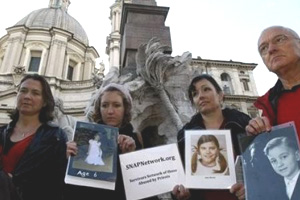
(154, 66)
(66, 122)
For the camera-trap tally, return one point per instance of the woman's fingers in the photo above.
(126, 143)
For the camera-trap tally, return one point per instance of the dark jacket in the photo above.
(278, 191)
(235, 121)
(80, 192)
(39, 173)
(296, 193)
(7, 188)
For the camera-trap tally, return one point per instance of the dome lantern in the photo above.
(63, 4)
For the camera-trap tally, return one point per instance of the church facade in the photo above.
(51, 43)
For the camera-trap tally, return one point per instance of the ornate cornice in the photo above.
(59, 43)
(243, 98)
(75, 85)
(217, 63)
(16, 39)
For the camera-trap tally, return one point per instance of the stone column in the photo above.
(55, 66)
(117, 21)
(14, 49)
(113, 40)
(113, 21)
(88, 68)
(140, 22)
(116, 56)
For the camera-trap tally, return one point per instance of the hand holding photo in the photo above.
(96, 160)
(272, 159)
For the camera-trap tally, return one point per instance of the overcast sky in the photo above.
(212, 29)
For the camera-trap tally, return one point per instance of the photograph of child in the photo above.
(97, 147)
(95, 164)
(208, 157)
(94, 152)
(271, 164)
(283, 154)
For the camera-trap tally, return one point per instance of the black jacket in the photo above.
(39, 173)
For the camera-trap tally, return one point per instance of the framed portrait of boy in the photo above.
(271, 164)
(95, 164)
(209, 159)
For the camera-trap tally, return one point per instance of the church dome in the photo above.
(57, 17)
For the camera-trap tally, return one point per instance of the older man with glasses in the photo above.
(279, 48)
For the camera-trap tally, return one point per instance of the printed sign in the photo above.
(151, 171)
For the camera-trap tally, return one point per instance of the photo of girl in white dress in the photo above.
(94, 152)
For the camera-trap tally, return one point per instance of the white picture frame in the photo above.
(209, 177)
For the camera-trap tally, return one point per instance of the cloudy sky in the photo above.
(212, 29)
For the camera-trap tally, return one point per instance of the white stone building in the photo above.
(52, 43)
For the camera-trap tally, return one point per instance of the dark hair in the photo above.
(46, 113)
(199, 78)
(204, 139)
(97, 117)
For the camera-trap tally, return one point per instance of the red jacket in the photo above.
(280, 105)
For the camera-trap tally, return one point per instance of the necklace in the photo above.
(23, 134)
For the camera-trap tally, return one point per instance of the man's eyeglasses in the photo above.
(277, 40)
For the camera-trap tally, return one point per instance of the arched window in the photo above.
(34, 56)
(226, 83)
(225, 77)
